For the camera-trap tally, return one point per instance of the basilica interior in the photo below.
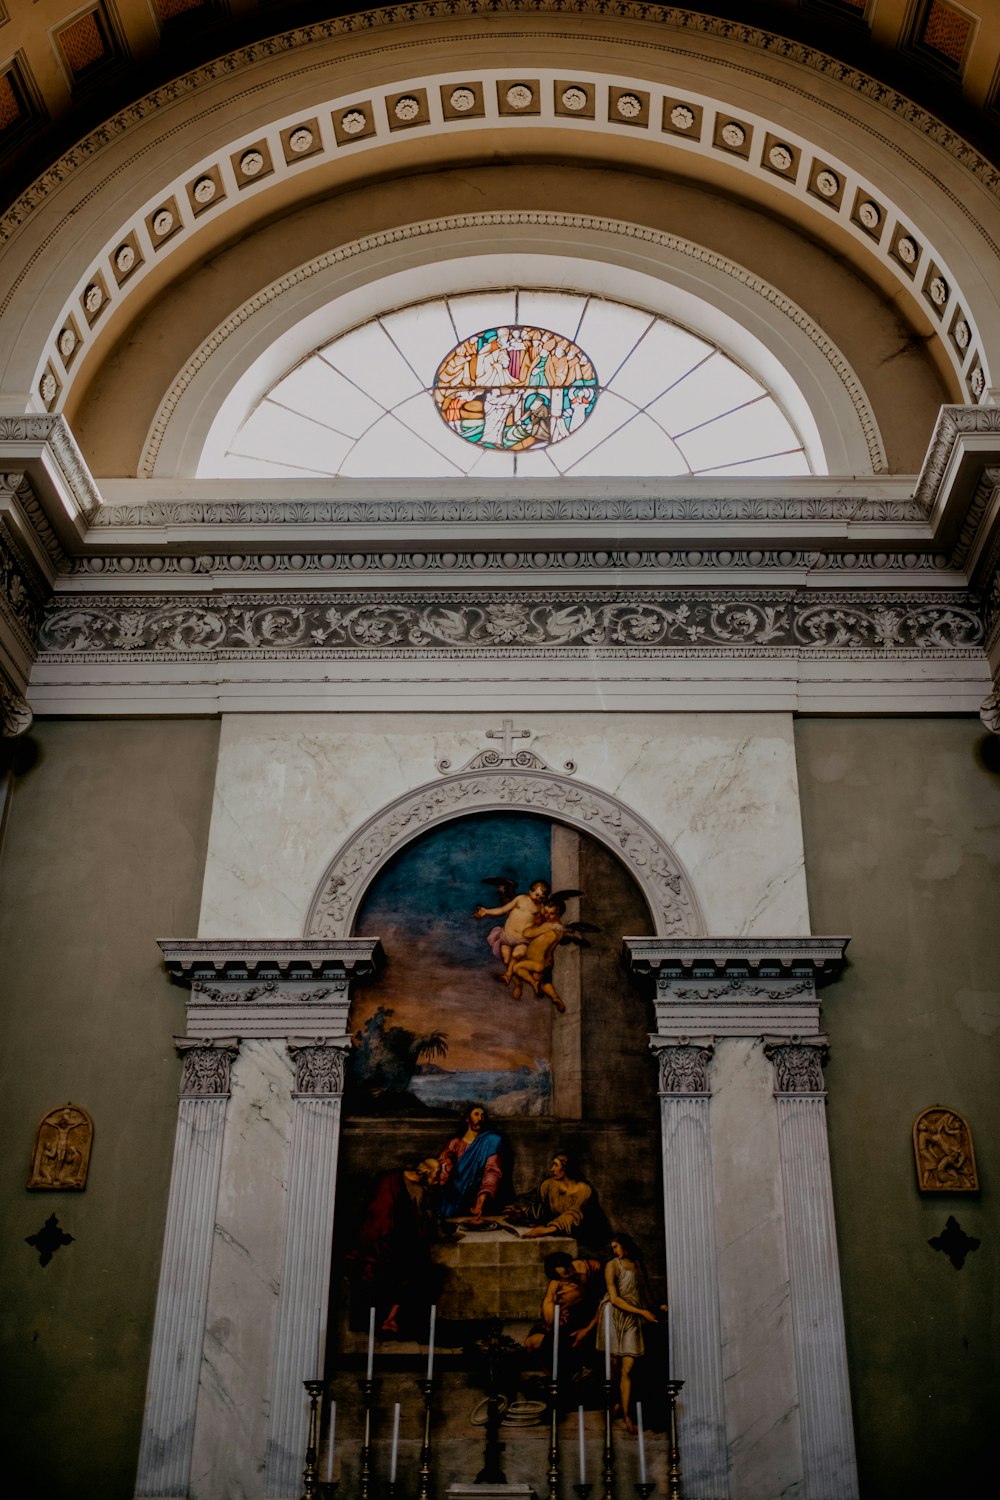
(500, 664)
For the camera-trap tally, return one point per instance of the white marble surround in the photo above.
(722, 791)
(720, 788)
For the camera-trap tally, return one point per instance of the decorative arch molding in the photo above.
(656, 869)
(711, 294)
(877, 145)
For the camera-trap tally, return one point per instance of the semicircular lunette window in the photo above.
(532, 383)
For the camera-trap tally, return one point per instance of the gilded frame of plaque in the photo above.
(61, 1158)
(943, 1152)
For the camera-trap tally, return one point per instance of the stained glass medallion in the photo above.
(513, 388)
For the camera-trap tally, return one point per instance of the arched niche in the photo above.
(661, 877)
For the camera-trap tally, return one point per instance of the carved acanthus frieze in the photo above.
(683, 1064)
(798, 1064)
(207, 1066)
(320, 1064)
(645, 622)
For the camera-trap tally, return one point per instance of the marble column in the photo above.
(692, 1262)
(300, 1332)
(829, 1467)
(178, 1328)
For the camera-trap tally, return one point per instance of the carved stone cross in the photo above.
(508, 734)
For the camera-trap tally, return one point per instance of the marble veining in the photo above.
(246, 1267)
(720, 788)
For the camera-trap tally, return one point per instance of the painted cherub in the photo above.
(540, 942)
(520, 911)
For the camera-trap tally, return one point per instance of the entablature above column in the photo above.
(293, 988)
(735, 987)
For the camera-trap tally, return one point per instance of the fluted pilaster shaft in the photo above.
(178, 1327)
(692, 1268)
(300, 1333)
(817, 1310)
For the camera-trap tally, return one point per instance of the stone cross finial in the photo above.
(508, 734)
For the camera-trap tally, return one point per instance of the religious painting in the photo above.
(944, 1154)
(500, 1170)
(515, 388)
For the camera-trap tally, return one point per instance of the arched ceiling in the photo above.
(128, 221)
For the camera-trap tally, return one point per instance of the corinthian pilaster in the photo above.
(178, 1328)
(237, 1418)
(830, 1471)
(300, 1331)
(692, 1259)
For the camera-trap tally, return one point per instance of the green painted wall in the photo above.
(902, 836)
(103, 854)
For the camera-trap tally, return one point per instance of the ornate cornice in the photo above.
(48, 438)
(488, 623)
(286, 959)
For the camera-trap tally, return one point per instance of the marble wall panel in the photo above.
(720, 788)
(230, 1426)
(762, 1420)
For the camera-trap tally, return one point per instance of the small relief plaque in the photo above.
(942, 1146)
(62, 1150)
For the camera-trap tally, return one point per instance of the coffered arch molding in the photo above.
(707, 292)
(108, 192)
(660, 875)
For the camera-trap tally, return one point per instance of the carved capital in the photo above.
(207, 1065)
(320, 1064)
(683, 1063)
(15, 713)
(798, 1063)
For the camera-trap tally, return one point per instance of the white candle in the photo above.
(371, 1343)
(319, 1343)
(329, 1442)
(642, 1443)
(430, 1344)
(555, 1344)
(607, 1340)
(583, 1454)
(395, 1443)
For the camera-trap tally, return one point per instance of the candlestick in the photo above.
(583, 1451)
(555, 1346)
(673, 1457)
(365, 1474)
(424, 1483)
(430, 1344)
(329, 1442)
(609, 1452)
(607, 1340)
(371, 1344)
(642, 1443)
(310, 1475)
(553, 1470)
(395, 1444)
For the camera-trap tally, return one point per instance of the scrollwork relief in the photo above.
(642, 622)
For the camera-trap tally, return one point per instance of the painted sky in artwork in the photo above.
(440, 973)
